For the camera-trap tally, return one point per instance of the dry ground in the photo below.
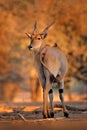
(21, 116)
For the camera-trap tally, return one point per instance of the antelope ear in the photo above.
(28, 34)
(43, 36)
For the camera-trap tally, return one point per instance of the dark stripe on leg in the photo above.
(60, 90)
(50, 91)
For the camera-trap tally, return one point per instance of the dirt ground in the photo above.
(25, 116)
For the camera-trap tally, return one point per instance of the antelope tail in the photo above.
(52, 77)
(41, 60)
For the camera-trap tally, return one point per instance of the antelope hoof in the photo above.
(66, 114)
(45, 116)
(51, 115)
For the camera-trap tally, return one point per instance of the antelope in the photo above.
(51, 65)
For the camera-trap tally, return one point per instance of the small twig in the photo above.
(21, 116)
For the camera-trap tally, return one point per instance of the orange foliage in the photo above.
(70, 31)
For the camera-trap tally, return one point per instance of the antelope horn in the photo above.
(28, 34)
(48, 26)
(35, 28)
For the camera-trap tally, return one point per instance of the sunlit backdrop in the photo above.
(18, 78)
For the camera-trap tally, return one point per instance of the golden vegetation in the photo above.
(69, 31)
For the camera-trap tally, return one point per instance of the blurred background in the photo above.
(18, 78)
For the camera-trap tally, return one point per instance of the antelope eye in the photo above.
(38, 38)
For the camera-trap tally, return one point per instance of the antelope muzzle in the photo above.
(29, 47)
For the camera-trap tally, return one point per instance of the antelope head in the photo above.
(36, 39)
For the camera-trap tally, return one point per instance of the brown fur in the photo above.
(49, 62)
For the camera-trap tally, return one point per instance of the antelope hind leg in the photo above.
(51, 112)
(61, 95)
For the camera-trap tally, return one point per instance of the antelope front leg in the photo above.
(61, 95)
(45, 103)
(47, 90)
